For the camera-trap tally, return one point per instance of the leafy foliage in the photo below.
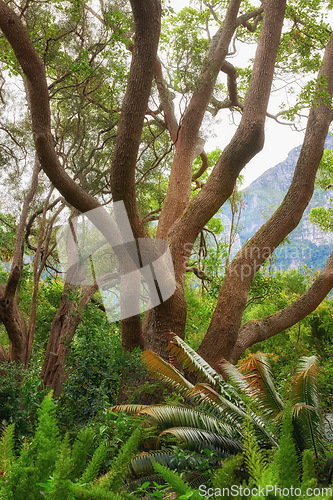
(67, 471)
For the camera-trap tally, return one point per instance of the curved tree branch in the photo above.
(247, 141)
(179, 187)
(256, 331)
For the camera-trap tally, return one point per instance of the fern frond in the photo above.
(178, 485)
(81, 448)
(7, 442)
(91, 471)
(254, 458)
(113, 479)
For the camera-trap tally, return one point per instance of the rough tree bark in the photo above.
(181, 227)
(10, 312)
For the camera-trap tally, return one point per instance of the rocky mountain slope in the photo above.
(307, 244)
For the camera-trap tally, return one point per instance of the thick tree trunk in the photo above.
(58, 347)
(170, 316)
(245, 144)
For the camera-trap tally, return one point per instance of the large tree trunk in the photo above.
(246, 143)
(168, 317)
(16, 327)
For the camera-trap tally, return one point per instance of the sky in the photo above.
(279, 139)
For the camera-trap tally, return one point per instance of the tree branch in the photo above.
(264, 328)
(179, 187)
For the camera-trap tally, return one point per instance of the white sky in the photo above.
(279, 139)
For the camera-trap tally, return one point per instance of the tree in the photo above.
(280, 32)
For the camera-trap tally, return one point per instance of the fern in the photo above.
(226, 476)
(7, 456)
(37, 460)
(176, 482)
(114, 478)
(254, 457)
(94, 466)
(95, 492)
(60, 484)
(46, 443)
(309, 475)
(287, 457)
(80, 451)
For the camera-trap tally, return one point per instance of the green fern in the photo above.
(178, 485)
(114, 478)
(92, 470)
(94, 492)
(254, 457)
(309, 475)
(287, 458)
(81, 450)
(60, 484)
(226, 476)
(37, 459)
(7, 455)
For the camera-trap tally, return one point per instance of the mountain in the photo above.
(307, 244)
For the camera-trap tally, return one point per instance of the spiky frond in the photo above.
(199, 439)
(230, 413)
(193, 362)
(254, 378)
(143, 463)
(172, 416)
(309, 423)
(172, 478)
(165, 372)
(130, 409)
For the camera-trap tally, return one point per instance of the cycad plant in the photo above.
(254, 378)
(214, 418)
